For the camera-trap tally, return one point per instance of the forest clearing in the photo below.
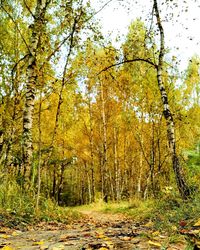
(99, 137)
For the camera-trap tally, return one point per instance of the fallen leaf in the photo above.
(149, 224)
(153, 243)
(156, 233)
(197, 224)
(174, 228)
(38, 243)
(16, 233)
(100, 236)
(4, 236)
(7, 248)
(126, 238)
(195, 231)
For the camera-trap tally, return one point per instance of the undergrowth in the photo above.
(19, 208)
(167, 214)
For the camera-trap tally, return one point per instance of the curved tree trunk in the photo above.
(181, 183)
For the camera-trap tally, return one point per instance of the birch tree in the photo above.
(180, 180)
(37, 28)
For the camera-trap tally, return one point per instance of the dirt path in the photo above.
(95, 231)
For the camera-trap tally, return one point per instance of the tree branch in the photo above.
(97, 12)
(128, 61)
(28, 8)
(14, 68)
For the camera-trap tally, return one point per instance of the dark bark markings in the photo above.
(181, 183)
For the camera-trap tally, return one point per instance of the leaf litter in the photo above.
(95, 230)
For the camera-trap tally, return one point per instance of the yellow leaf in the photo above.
(38, 243)
(149, 224)
(155, 244)
(100, 236)
(156, 233)
(5, 236)
(7, 248)
(197, 224)
(174, 228)
(16, 233)
(195, 231)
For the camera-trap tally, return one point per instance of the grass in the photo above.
(17, 208)
(163, 214)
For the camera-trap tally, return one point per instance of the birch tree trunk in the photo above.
(116, 166)
(180, 180)
(36, 32)
(104, 153)
(39, 154)
(91, 151)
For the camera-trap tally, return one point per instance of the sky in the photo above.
(182, 27)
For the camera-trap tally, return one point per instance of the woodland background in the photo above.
(74, 128)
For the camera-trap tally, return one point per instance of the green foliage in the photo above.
(193, 163)
(13, 199)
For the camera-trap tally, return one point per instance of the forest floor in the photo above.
(95, 230)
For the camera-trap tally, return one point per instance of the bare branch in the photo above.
(97, 12)
(58, 47)
(129, 61)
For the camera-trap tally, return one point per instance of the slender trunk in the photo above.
(139, 181)
(91, 152)
(152, 160)
(39, 155)
(116, 167)
(60, 186)
(54, 182)
(181, 183)
(146, 191)
(89, 187)
(103, 116)
(140, 170)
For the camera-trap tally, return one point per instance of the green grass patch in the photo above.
(163, 214)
